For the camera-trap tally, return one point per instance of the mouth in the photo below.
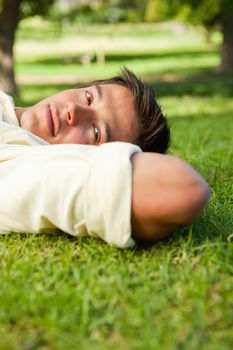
(49, 120)
(53, 119)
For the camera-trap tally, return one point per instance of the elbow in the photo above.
(171, 194)
(193, 201)
(196, 199)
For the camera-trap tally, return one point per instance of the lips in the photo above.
(53, 119)
(56, 119)
(49, 120)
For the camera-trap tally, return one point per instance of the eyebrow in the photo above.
(107, 127)
(99, 91)
(107, 130)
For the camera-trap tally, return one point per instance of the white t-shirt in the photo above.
(82, 190)
(10, 132)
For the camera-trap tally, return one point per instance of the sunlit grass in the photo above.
(64, 293)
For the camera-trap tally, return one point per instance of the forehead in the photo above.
(118, 108)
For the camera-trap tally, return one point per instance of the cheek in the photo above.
(77, 136)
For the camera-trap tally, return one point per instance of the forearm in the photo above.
(166, 193)
(81, 190)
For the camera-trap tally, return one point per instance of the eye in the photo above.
(97, 134)
(89, 98)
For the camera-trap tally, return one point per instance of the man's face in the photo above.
(92, 115)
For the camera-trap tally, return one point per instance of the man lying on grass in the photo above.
(113, 191)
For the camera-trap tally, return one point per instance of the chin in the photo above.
(28, 122)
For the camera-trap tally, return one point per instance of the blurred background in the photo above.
(73, 41)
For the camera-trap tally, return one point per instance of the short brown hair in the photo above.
(154, 134)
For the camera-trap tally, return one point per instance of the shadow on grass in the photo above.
(205, 229)
(206, 85)
(121, 57)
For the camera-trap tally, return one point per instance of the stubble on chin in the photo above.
(19, 111)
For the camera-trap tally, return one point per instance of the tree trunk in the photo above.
(227, 46)
(9, 19)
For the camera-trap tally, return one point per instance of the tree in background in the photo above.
(212, 12)
(156, 11)
(206, 12)
(11, 11)
(9, 19)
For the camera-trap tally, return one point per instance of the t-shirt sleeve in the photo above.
(81, 190)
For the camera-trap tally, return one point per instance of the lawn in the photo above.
(59, 292)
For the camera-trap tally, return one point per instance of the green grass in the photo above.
(58, 292)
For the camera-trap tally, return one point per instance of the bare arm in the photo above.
(167, 193)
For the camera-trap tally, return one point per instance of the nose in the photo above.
(75, 113)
